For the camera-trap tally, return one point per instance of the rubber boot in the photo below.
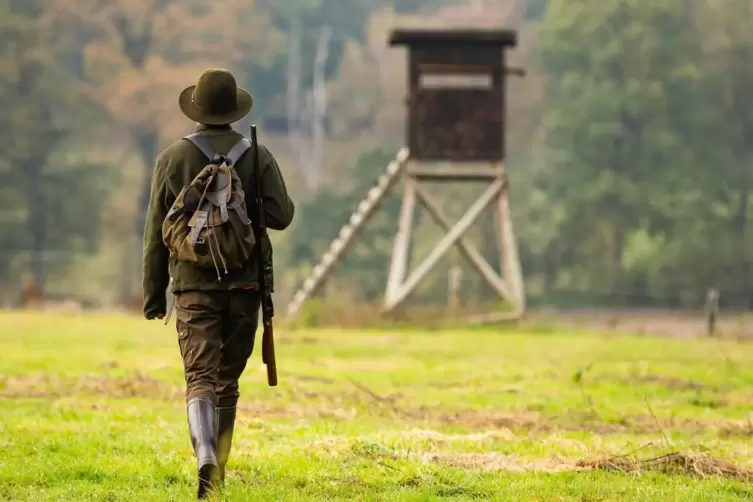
(203, 430)
(225, 426)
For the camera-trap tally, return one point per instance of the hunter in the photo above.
(204, 252)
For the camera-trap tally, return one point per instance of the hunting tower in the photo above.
(456, 94)
(455, 134)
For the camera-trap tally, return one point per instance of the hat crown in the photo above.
(216, 92)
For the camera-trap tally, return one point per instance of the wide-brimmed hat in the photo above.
(216, 99)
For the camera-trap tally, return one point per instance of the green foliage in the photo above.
(630, 126)
(48, 205)
(535, 9)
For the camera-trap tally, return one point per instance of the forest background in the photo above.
(630, 140)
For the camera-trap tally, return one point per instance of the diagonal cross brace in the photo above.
(469, 251)
(445, 244)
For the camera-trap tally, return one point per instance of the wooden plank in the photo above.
(453, 173)
(454, 69)
(456, 36)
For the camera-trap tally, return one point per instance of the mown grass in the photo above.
(91, 408)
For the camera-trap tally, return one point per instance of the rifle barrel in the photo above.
(267, 307)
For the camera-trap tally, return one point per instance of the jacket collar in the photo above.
(205, 127)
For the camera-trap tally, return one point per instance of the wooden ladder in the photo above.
(348, 232)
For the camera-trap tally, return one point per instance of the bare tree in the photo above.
(307, 114)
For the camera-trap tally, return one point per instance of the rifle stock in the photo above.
(265, 275)
(268, 353)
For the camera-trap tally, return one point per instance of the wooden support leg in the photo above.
(401, 250)
(508, 251)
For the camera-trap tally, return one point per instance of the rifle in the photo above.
(265, 274)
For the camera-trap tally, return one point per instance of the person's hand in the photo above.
(155, 307)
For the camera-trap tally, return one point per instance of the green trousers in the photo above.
(216, 332)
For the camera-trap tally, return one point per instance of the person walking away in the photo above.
(199, 238)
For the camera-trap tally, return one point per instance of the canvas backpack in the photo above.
(208, 225)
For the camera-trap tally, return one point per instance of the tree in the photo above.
(51, 205)
(620, 75)
(140, 54)
(727, 139)
(307, 116)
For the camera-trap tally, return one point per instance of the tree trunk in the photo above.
(37, 220)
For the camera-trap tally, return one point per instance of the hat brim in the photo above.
(185, 101)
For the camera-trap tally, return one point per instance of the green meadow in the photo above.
(92, 409)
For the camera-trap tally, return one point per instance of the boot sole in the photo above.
(209, 479)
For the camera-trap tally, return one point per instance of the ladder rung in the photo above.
(374, 194)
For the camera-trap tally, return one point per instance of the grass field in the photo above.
(91, 408)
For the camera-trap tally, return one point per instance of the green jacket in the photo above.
(176, 166)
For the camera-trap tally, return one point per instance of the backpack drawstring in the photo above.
(219, 249)
(214, 260)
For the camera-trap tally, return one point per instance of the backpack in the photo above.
(208, 225)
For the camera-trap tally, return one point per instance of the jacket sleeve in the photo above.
(156, 275)
(278, 206)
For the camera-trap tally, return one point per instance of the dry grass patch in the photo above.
(440, 438)
(43, 385)
(677, 463)
(499, 462)
(701, 466)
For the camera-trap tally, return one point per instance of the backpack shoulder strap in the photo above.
(202, 144)
(235, 153)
